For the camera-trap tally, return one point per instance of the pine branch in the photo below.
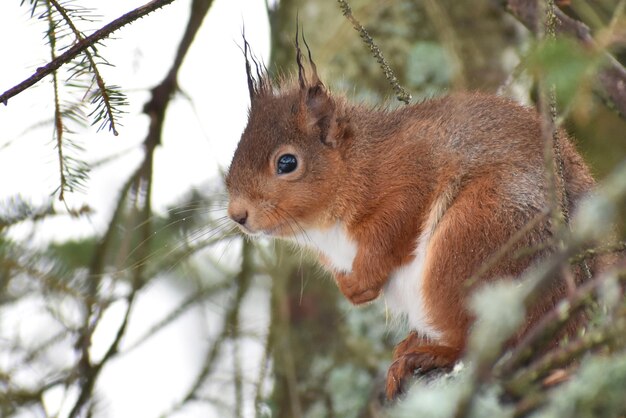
(15, 210)
(50, 280)
(141, 184)
(110, 118)
(73, 172)
(81, 46)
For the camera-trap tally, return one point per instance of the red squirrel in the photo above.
(405, 204)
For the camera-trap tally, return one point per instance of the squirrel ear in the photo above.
(321, 115)
(317, 108)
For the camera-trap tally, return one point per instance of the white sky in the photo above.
(199, 138)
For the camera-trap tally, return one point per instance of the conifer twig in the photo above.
(82, 45)
(593, 252)
(58, 120)
(401, 93)
(94, 68)
(558, 357)
(550, 323)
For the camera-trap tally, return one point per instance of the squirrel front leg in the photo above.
(370, 271)
(363, 283)
(382, 246)
(353, 284)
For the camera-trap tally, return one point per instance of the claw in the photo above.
(420, 360)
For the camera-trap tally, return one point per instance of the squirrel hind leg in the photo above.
(414, 356)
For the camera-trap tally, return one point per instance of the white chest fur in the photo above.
(403, 292)
(335, 244)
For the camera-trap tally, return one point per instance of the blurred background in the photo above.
(125, 292)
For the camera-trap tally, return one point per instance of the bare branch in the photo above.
(611, 77)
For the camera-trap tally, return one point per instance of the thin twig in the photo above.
(96, 72)
(194, 299)
(265, 363)
(507, 247)
(564, 355)
(401, 93)
(611, 77)
(553, 158)
(594, 252)
(58, 120)
(550, 323)
(231, 319)
(89, 371)
(82, 45)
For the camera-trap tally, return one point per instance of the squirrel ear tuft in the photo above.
(317, 108)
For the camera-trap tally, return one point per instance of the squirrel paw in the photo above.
(421, 361)
(355, 290)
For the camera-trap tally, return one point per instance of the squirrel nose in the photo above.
(238, 211)
(240, 217)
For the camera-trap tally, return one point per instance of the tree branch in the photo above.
(82, 45)
(141, 182)
(551, 322)
(611, 77)
(594, 338)
(161, 94)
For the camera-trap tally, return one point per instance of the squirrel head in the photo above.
(284, 172)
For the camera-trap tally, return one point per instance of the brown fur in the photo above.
(476, 159)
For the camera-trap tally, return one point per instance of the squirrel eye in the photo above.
(286, 164)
